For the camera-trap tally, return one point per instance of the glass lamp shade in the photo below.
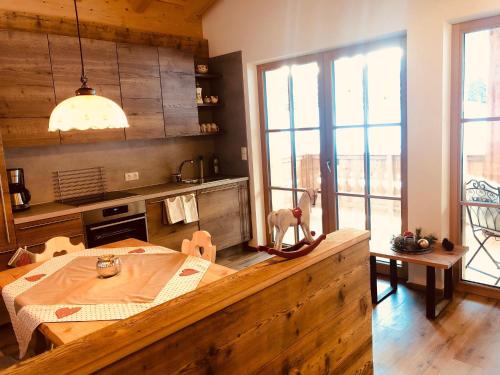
(84, 112)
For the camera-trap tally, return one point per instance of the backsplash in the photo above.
(155, 160)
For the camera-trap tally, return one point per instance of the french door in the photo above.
(290, 106)
(366, 124)
(336, 121)
(475, 157)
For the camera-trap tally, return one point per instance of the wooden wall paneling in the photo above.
(101, 67)
(141, 90)
(54, 23)
(26, 89)
(243, 322)
(179, 92)
(159, 16)
(310, 322)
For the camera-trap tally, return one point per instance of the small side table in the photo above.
(439, 258)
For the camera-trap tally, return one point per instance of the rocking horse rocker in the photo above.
(283, 219)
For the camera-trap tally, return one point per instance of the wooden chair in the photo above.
(54, 247)
(200, 246)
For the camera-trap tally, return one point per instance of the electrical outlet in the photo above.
(244, 155)
(131, 176)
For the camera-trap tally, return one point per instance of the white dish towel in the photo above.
(190, 208)
(174, 209)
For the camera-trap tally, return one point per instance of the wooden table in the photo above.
(439, 258)
(64, 332)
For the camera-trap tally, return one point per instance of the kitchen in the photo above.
(235, 187)
(143, 159)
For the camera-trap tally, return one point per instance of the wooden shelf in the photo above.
(207, 76)
(209, 105)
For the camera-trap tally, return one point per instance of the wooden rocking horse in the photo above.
(283, 219)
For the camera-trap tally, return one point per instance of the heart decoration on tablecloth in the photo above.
(188, 272)
(36, 277)
(66, 311)
(137, 251)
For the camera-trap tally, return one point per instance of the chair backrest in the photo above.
(484, 217)
(56, 246)
(200, 246)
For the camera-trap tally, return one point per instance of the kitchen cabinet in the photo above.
(223, 215)
(34, 234)
(101, 66)
(27, 93)
(141, 90)
(178, 91)
(168, 235)
(154, 85)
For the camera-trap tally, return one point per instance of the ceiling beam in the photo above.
(140, 5)
(195, 8)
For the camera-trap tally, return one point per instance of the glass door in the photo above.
(292, 134)
(478, 121)
(368, 125)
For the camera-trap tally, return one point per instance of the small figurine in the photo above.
(447, 244)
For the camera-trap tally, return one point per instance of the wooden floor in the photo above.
(464, 340)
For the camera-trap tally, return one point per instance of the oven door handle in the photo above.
(118, 223)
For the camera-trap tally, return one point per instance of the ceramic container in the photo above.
(108, 266)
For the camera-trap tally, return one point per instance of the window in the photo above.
(368, 132)
(292, 133)
(476, 141)
(336, 121)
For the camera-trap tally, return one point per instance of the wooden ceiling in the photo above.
(192, 8)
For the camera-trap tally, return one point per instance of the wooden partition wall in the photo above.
(307, 315)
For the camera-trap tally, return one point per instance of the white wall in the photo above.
(267, 30)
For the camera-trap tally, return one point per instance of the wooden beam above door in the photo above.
(194, 9)
(140, 5)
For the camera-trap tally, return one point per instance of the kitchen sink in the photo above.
(206, 180)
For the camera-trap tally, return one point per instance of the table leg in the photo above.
(373, 279)
(376, 298)
(394, 274)
(430, 293)
(433, 309)
(448, 283)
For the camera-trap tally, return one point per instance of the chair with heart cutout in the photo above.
(54, 247)
(200, 246)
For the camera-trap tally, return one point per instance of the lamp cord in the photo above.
(83, 77)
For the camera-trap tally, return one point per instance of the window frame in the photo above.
(399, 41)
(456, 152)
(328, 196)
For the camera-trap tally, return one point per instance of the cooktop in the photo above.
(96, 198)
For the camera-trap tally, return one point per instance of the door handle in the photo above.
(329, 166)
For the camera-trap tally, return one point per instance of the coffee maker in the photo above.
(19, 195)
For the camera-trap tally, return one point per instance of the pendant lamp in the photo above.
(86, 110)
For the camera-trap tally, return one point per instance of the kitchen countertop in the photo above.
(52, 209)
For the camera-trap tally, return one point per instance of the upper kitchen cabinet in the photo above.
(141, 90)
(26, 90)
(101, 66)
(179, 94)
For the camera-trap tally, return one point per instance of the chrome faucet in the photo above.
(178, 175)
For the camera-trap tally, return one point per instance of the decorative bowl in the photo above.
(108, 266)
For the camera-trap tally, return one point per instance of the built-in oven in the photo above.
(111, 224)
